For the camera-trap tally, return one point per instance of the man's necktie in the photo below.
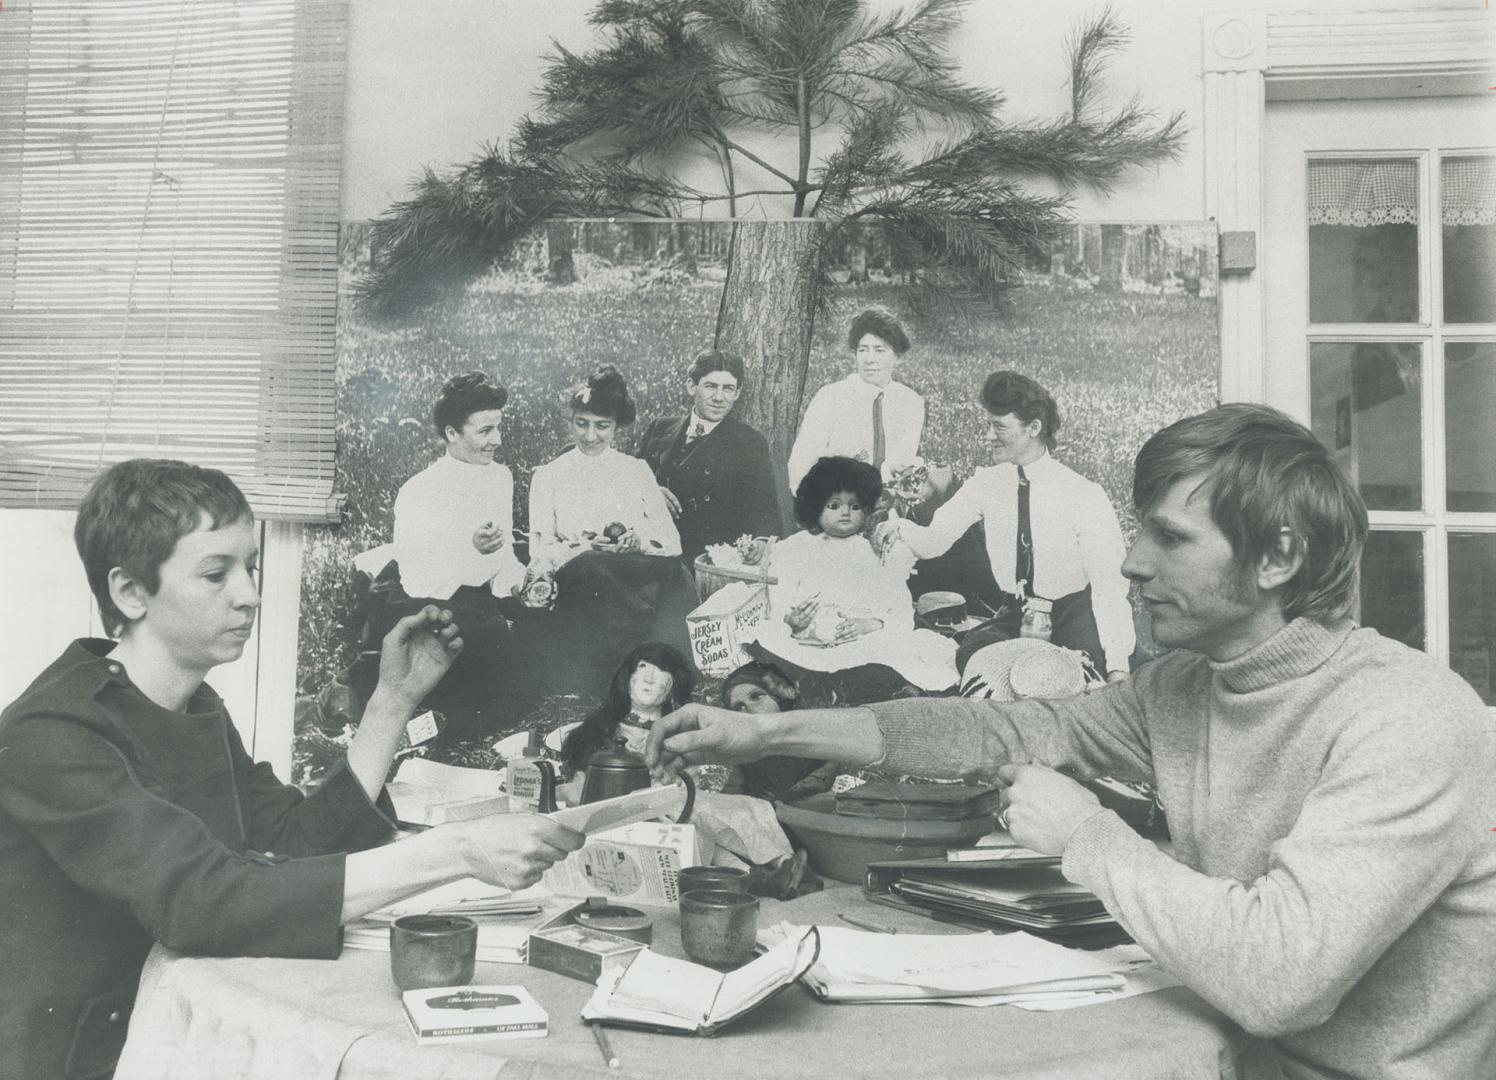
(1023, 566)
(879, 449)
(698, 429)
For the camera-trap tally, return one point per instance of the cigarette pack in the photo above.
(580, 952)
(462, 1013)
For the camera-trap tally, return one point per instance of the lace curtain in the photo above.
(1365, 193)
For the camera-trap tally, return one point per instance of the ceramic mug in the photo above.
(697, 878)
(432, 950)
(718, 927)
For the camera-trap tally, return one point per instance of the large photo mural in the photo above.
(1117, 322)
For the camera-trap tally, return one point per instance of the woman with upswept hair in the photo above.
(599, 522)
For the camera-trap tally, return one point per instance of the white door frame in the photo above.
(1251, 57)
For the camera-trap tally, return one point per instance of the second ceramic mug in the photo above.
(432, 950)
(718, 927)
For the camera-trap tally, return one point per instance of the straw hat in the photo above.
(1024, 668)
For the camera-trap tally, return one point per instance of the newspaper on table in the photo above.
(966, 969)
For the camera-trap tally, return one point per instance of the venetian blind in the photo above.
(169, 177)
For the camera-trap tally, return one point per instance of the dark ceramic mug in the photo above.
(432, 950)
(718, 927)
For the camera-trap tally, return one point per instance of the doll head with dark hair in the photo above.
(759, 687)
(839, 480)
(654, 679)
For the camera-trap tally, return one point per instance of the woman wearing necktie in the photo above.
(869, 415)
(1050, 532)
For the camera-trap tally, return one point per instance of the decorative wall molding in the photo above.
(1251, 57)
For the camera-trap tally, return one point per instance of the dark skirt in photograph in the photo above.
(491, 686)
(607, 603)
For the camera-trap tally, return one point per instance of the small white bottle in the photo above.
(523, 781)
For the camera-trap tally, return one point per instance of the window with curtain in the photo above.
(1402, 370)
(169, 195)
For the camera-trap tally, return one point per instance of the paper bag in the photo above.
(723, 623)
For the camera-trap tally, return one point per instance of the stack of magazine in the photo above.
(505, 919)
(1011, 894)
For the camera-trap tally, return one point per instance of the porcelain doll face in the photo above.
(649, 687)
(843, 515)
(592, 433)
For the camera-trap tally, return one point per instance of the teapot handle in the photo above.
(684, 817)
(548, 787)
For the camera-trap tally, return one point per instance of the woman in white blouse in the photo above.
(594, 497)
(597, 519)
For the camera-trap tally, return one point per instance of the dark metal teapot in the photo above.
(610, 773)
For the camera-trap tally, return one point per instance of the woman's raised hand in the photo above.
(417, 652)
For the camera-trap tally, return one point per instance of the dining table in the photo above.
(198, 1018)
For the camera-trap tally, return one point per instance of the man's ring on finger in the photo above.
(1002, 819)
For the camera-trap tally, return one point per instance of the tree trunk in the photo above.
(560, 269)
(1113, 256)
(766, 318)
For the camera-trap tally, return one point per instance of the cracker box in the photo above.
(723, 623)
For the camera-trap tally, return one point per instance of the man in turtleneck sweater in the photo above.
(1330, 792)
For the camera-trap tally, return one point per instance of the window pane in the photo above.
(1472, 609)
(1392, 586)
(1468, 214)
(1470, 425)
(1364, 400)
(1363, 241)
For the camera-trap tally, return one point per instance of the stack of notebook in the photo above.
(505, 919)
(1015, 896)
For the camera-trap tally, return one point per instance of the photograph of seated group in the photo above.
(537, 532)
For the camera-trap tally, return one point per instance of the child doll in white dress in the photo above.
(837, 607)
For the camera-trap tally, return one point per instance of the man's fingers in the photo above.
(1008, 774)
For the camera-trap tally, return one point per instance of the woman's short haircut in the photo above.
(769, 678)
(882, 323)
(605, 393)
(463, 395)
(714, 360)
(828, 476)
(1007, 392)
(1266, 472)
(135, 512)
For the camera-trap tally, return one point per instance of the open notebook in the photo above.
(662, 993)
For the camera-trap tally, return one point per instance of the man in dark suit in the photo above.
(713, 470)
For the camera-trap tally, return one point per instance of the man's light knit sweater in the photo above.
(1331, 796)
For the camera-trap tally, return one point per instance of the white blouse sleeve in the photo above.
(656, 526)
(545, 541)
